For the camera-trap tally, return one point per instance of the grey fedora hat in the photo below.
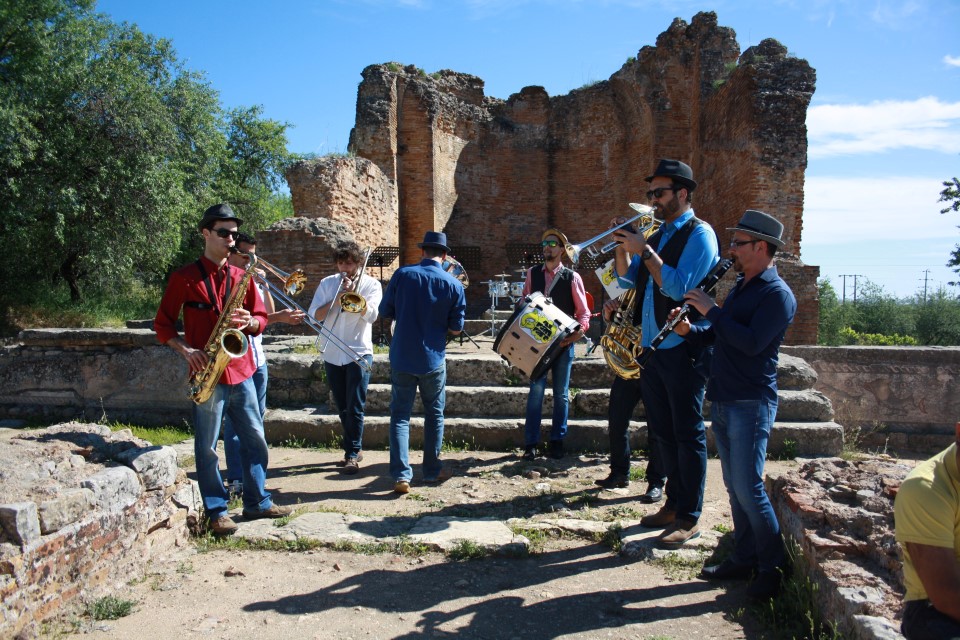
(760, 225)
(435, 239)
(679, 172)
(220, 211)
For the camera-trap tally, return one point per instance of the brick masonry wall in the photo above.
(494, 173)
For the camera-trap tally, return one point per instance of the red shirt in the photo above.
(187, 290)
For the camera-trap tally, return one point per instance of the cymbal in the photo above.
(502, 275)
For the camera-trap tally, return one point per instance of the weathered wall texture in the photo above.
(82, 508)
(890, 398)
(494, 173)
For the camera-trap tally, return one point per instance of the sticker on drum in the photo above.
(516, 289)
(530, 339)
(498, 288)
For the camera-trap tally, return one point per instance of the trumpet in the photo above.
(593, 246)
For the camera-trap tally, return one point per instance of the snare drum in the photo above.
(516, 289)
(498, 288)
(456, 269)
(530, 339)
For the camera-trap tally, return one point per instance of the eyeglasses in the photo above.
(226, 233)
(654, 194)
(740, 243)
(549, 243)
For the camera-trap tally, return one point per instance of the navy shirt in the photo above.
(426, 302)
(746, 333)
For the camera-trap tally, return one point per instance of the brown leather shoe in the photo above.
(343, 463)
(402, 486)
(660, 519)
(275, 511)
(223, 526)
(678, 533)
(351, 467)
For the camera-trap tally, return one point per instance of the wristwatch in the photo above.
(646, 255)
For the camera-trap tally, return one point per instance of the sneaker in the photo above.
(351, 467)
(614, 481)
(445, 474)
(401, 486)
(530, 452)
(728, 570)
(678, 533)
(275, 511)
(659, 520)
(346, 458)
(222, 526)
(767, 584)
(653, 495)
(556, 449)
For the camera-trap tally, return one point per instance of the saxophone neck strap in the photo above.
(218, 305)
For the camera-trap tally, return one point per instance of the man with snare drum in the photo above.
(565, 287)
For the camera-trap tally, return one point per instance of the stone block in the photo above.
(20, 522)
(157, 466)
(114, 488)
(66, 508)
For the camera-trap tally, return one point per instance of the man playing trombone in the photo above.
(347, 303)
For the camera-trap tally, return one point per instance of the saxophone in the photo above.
(225, 342)
(621, 341)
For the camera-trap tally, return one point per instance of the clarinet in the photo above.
(706, 285)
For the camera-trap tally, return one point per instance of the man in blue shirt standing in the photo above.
(673, 261)
(427, 303)
(746, 334)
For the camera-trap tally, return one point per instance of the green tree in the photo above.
(938, 320)
(111, 148)
(879, 312)
(834, 315)
(951, 195)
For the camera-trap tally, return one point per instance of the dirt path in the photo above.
(570, 587)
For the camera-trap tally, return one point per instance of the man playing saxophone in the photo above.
(204, 291)
(351, 320)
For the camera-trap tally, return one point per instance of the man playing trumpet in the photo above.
(353, 325)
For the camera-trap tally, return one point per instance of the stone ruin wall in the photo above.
(494, 172)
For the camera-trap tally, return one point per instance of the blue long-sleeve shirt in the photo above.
(699, 256)
(426, 302)
(746, 333)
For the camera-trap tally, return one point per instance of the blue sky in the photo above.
(884, 124)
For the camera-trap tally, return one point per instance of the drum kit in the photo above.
(499, 289)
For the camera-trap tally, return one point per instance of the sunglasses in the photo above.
(740, 243)
(226, 233)
(654, 194)
(549, 243)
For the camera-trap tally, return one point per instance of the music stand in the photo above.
(469, 257)
(525, 255)
(383, 257)
(591, 264)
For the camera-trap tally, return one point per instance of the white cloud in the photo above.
(879, 209)
(951, 61)
(853, 129)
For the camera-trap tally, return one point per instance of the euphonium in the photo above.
(225, 342)
(621, 341)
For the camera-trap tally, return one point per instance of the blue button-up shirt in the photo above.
(746, 333)
(426, 302)
(699, 256)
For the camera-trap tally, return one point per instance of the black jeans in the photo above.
(921, 621)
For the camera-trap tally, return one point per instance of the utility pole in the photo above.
(854, 276)
(926, 276)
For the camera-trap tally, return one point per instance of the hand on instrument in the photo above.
(699, 300)
(196, 359)
(288, 316)
(609, 308)
(348, 283)
(630, 240)
(683, 327)
(573, 337)
(241, 318)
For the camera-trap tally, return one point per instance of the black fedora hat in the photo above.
(679, 172)
(760, 225)
(435, 239)
(220, 211)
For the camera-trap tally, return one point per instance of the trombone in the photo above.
(293, 284)
(592, 247)
(350, 301)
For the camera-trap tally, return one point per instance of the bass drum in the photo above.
(456, 269)
(530, 339)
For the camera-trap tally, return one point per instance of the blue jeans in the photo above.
(561, 399)
(921, 621)
(433, 394)
(239, 403)
(348, 384)
(672, 387)
(624, 396)
(741, 429)
(231, 442)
